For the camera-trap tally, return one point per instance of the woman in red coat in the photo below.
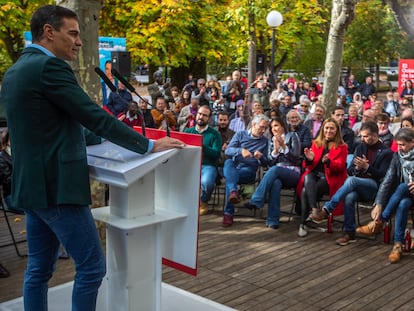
(325, 169)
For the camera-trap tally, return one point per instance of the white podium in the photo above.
(153, 213)
(152, 218)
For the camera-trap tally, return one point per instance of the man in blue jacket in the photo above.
(46, 111)
(246, 151)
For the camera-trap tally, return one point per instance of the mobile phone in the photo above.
(168, 80)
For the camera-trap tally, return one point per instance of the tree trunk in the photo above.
(377, 76)
(252, 48)
(279, 65)
(179, 75)
(403, 15)
(343, 12)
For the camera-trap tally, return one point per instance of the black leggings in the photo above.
(314, 188)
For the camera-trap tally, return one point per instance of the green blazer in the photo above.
(46, 111)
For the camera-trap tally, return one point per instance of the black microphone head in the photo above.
(123, 80)
(115, 72)
(105, 79)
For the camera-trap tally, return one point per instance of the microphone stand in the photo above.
(167, 123)
(115, 90)
(132, 90)
(128, 85)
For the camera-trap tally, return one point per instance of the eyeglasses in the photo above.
(262, 127)
(304, 106)
(201, 84)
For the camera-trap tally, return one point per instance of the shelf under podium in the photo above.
(161, 215)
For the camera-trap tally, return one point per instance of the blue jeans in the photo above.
(402, 200)
(271, 184)
(208, 181)
(354, 189)
(74, 227)
(234, 175)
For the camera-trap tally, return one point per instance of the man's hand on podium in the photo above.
(166, 143)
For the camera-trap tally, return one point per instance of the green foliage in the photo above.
(5, 63)
(304, 27)
(374, 36)
(360, 75)
(14, 20)
(179, 33)
(174, 33)
(171, 33)
(407, 51)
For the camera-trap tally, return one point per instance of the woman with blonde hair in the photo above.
(325, 169)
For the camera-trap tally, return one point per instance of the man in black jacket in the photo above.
(367, 88)
(368, 168)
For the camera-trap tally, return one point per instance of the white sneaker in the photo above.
(303, 231)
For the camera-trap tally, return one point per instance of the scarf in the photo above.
(407, 165)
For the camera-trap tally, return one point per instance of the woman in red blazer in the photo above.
(325, 169)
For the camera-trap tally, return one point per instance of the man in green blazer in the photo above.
(46, 111)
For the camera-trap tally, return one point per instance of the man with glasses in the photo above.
(368, 115)
(315, 120)
(246, 151)
(159, 88)
(211, 154)
(286, 105)
(304, 107)
(295, 125)
(200, 92)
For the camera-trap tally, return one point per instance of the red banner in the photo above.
(406, 72)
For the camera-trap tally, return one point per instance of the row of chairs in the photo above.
(219, 194)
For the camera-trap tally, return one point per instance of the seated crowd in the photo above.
(350, 156)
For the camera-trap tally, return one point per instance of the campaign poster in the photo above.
(106, 46)
(406, 72)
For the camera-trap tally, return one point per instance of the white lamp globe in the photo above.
(274, 19)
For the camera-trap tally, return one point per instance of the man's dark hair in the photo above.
(49, 14)
(156, 99)
(384, 117)
(370, 126)
(223, 113)
(208, 107)
(338, 108)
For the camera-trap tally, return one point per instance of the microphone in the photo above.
(127, 84)
(132, 90)
(115, 91)
(105, 79)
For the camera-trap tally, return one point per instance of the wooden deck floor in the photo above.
(251, 267)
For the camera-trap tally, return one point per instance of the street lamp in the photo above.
(274, 19)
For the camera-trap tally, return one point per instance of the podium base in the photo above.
(172, 299)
